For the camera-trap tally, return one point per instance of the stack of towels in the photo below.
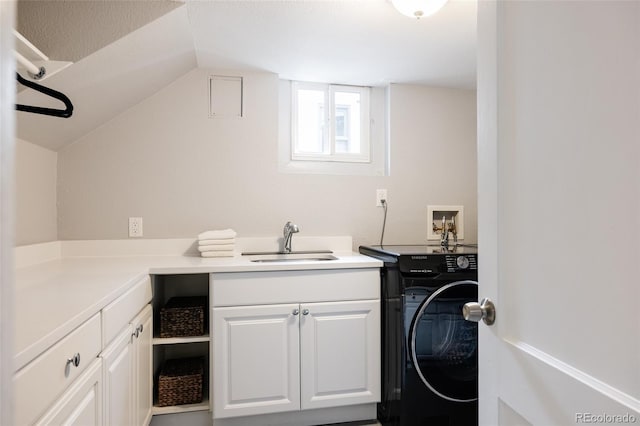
(220, 243)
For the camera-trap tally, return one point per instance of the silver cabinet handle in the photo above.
(305, 312)
(485, 311)
(295, 312)
(73, 361)
(137, 331)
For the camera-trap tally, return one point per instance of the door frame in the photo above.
(487, 114)
(7, 158)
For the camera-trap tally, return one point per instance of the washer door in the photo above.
(443, 346)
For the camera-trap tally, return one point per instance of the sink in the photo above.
(292, 257)
(253, 253)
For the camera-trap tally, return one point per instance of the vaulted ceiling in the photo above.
(124, 51)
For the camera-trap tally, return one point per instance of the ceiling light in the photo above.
(418, 8)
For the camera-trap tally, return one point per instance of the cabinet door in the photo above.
(117, 360)
(81, 404)
(256, 360)
(142, 367)
(340, 353)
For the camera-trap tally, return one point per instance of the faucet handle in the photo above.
(291, 228)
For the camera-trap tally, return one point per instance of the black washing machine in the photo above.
(429, 352)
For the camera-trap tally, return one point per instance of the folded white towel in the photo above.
(227, 253)
(218, 234)
(216, 247)
(218, 241)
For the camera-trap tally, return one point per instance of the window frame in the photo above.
(329, 137)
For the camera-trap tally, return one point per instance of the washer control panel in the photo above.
(461, 262)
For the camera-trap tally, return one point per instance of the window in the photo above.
(330, 123)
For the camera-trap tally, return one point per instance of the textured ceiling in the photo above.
(69, 30)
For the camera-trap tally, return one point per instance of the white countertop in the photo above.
(55, 296)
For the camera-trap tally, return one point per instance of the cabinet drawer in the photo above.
(40, 383)
(265, 288)
(118, 314)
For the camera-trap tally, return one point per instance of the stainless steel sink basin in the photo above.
(291, 257)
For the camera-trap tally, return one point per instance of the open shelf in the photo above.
(174, 409)
(164, 288)
(180, 340)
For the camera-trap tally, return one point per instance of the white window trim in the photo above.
(329, 136)
(379, 137)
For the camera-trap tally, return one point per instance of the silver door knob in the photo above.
(295, 312)
(485, 311)
(305, 312)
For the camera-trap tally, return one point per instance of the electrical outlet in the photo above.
(135, 227)
(381, 194)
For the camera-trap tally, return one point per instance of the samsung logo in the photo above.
(419, 257)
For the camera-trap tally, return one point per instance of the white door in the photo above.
(339, 353)
(559, 211)
(256, 360)
(117, 361)
(143, 367)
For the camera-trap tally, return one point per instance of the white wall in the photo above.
(183, 172)
(36, 196)
(433, 157)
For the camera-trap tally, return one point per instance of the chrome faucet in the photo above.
(448, 228)
(289, 230)
(444, 237)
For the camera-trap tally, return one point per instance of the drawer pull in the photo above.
(73, 361)
(137, 332)
(305, 312)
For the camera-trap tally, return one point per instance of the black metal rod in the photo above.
(63, 113)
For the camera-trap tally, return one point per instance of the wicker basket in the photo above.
(183, 317)
(180, 382)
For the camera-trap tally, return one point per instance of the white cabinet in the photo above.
(66, 384)
(127, 328)
(119, 313)
(81, 404)
(40, 383)
(256, 353)
(320, 352)
(127, 374)
(117, 362)
(340, 353)
(142, 328)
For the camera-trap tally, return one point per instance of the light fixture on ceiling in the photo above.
(418, 8)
